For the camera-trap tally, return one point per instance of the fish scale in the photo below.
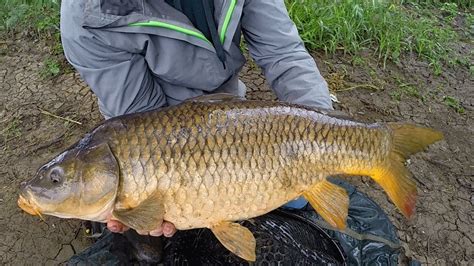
(217, 159)
(233, 131)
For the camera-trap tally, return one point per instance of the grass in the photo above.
(38, 19)
(463, 4)
(34, 16)
(51, 68)
(391, 29)
(11, 131)
(454, 103)
(403, 90)
(406, 90)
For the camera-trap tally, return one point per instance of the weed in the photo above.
(11, 131)
(39, 17)
(406, 89)
(396, 95)
(464, 4)
(14, 16)
(392, 29)
(51, 68)
(453, 103)
(358, 61)
(450, 9)
(373, 73)
(411, 90)
(470, 19)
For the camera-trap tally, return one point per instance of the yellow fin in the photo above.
(393, 176)
(409, 139)
(236, 238)
(145, 217)
(395, 179)
(330, 201)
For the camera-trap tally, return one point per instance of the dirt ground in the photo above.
(440, 233)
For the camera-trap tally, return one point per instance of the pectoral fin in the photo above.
(236, 238)
(330, 201)
(145, 217)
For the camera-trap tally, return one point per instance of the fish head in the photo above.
(81, 183)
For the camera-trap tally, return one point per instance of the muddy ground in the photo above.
(440, 233)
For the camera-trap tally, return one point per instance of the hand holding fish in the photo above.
(166, 228)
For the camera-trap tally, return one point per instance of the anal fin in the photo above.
(147, 216)
(236, 238)
(330, 201)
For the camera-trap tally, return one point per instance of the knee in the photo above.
(298, 203)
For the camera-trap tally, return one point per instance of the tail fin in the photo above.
(410, 139)
(393, 176)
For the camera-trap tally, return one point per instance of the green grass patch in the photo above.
(51, 68)
(454, 103)
(37, 19)
(34, 16)
(390, 28)
(462, 4)
(406, 90)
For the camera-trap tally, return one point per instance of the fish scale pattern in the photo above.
(211, 162)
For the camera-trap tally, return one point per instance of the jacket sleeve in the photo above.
(119, 78)
(275, 45)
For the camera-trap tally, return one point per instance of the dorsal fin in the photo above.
(216, 97)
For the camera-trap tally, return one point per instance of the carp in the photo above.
(217, 159)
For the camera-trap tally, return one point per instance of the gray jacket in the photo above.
(138, 55)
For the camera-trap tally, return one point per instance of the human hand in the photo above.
(166, 228)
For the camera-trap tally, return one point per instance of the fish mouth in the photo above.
(28, 206)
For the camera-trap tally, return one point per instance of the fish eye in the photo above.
(55, 175)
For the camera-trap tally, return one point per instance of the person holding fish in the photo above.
(142, 55)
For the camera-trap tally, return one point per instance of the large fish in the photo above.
(217, 159)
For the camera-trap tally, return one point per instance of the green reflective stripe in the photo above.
(171, 27)
(196, 34)
(227, 20)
